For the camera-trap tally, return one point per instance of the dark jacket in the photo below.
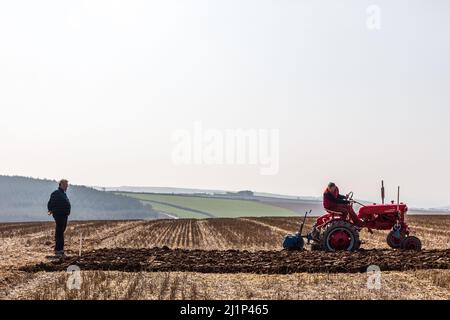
(59, 203)
(330, 199)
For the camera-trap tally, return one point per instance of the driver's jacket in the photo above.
(330, 200)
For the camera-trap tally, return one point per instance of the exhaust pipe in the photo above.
(382, 192)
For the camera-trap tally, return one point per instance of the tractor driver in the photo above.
(334, 201)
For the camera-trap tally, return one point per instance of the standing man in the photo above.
(59, 207)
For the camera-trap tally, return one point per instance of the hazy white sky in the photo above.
(93, 91)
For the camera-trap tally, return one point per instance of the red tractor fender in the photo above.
(328, 217)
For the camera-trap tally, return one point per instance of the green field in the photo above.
(180, 213)
(210, 207)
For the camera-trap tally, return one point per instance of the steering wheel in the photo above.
(352, 202)
(350, 196)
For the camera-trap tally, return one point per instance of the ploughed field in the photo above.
(234, 261)
(234, 258)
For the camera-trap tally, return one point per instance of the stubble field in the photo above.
(236, 258)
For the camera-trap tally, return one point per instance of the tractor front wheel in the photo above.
(411, 243)
(393, 240)
(340, 235)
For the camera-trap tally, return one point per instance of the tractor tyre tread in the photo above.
(417, 244)
(340, 224)
(389, 240)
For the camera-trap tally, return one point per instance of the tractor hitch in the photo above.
(295, 241)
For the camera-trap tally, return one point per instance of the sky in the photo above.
(99, 91)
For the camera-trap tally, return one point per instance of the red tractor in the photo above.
(333, 232)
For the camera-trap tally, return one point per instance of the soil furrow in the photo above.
(259, 262)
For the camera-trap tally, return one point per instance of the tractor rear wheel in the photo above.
(411, 243)
(393, 240)
(340, 235)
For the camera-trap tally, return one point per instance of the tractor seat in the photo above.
(334, 212)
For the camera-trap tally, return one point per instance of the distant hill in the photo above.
(196, 206)
(167, 190)
(25, 199)
(188, 191)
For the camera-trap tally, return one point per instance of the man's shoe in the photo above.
(60, 254)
